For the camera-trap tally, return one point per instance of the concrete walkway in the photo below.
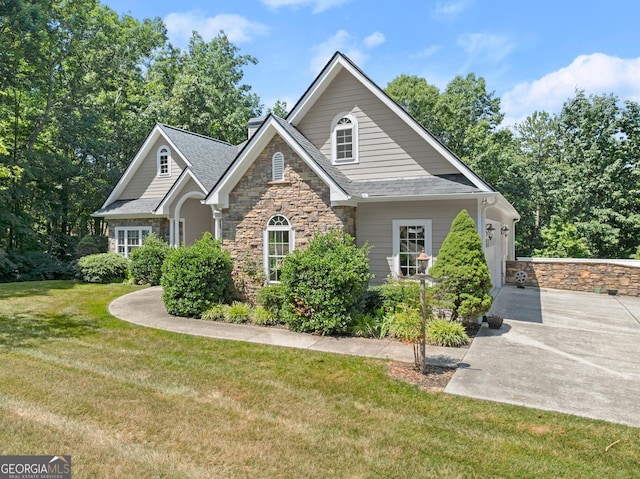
(572, 352)
(145, 308)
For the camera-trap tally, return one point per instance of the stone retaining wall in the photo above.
(578, 275)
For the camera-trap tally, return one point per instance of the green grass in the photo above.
(126, 401)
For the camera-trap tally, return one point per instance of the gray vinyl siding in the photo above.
(145, 183)
(388, 147)
(374, 226)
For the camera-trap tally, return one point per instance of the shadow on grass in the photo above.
(28, 330)
(33, 288)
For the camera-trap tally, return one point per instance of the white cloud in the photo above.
(485, 47)
(427, 52)
(445, 11)
(347, 44)
(596, 74)
(374, 40)
(318, 6)
(237, 28)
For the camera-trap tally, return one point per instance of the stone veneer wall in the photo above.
(302, 197)
(578, 275)
(159, 226)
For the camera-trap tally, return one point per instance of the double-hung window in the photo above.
(164, 161)
(410, 237)
(278, 242)
(129, 238)
(344, 139)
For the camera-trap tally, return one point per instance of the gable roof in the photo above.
(338, 184)
(206, 159)
(340, 62)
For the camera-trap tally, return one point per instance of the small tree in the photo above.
(325, 283)
(147, 260)
(196, 277)
(462, 268)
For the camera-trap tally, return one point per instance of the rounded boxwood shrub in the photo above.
(325, 283)
(271, 298)
(147, 260)
(441, 332)
(91, 244)
(196, 277)
(103, 268)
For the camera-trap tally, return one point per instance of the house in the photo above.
(346, 156)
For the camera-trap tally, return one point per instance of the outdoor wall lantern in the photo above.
(504, 230)
(490, 230)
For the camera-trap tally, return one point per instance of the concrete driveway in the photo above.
(572, 352)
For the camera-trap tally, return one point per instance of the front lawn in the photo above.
(126, 401)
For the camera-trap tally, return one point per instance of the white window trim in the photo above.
(396, 225)
(354, 139)
(277, 165)
(126, 229)
(168, 173)
(265, 244)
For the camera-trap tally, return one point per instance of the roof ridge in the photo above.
(197, 134)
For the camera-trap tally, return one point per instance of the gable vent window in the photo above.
(277, 167)
(344, 139)
(164, 164)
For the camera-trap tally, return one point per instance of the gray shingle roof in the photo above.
(210, 158)
(341, 180)
(139, 206)
(417, 186)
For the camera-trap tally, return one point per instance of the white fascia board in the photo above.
(317, 88)
(156, 132)
(338, 63)
(219, 196)
(452, 196)
(163, 207)
(130, 216)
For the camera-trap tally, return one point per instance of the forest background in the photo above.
(81, 86)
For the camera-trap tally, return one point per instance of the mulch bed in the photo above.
(435, 379)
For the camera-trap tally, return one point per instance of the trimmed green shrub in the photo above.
(263, 317)
(272, 298)
(396, 292)
(217, 312)
(32, 266)
(147, 260)
(325, 283)
(405, 324)
(103, 268)
(238, 313)
(91, 244)
(196, 277)
(441, 332)
(372, 302)
(462, 267)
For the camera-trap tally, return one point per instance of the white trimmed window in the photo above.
(344, 139)
(164, 161)
(409, 238)
(279, 240)
(277, 167)
(129, 238)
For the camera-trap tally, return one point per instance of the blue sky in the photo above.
(532, 54)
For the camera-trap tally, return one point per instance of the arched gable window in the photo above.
(164, 161)
(278, 242)
(344, 139)
(277, 167)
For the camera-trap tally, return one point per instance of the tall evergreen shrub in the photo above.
(462, 268)
(196, 277)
